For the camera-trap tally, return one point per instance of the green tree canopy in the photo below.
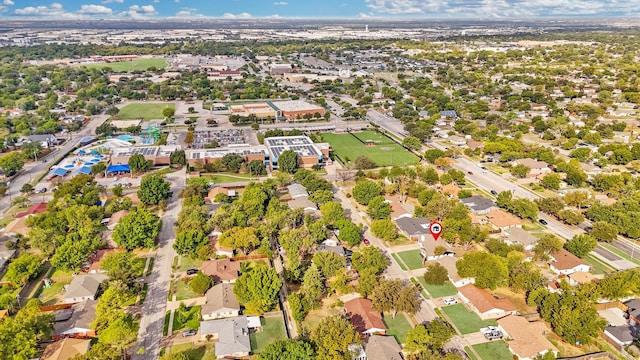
(258, 289)
(139, 228)
(378, 208)
(436, 274)
(287, 349)
(137, 163)
(581, 245)
(335, 336)
(288, 161)
(365, 191)
(153, 189)
(201, 283)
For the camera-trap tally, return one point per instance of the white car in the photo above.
(450, 301)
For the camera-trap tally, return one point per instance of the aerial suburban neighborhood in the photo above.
(351, 193)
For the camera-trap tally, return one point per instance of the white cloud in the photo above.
(176, 1)
(141, 12)
(281, 3)
(243, 15)
(112, 1)
(7, 2)
(156, 1)
(188, 12)
(95, 10)
(55, 10)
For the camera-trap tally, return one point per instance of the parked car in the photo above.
(192, 271)
(366, 241)
(450, 301)
(189, 333)
(469, 172)
(494, 193)
(491, 335)
(542, 221)
(42, 191)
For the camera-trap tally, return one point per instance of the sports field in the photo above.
(144, 111)
(384, 151)
(131, 65)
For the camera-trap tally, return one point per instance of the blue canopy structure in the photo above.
(84, 170)
(94, 152)
(69, 166)
(118, 168)
(81, 152)
(87, 140)
(60, 172)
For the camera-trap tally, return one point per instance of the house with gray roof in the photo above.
(297, 190)
(75, 321)
(231, 336)
(414, 228)
(221, 303)
(46, 140)
(479, 205)
(516, 235)
(380, 347)
(83, 287)
(622, 336)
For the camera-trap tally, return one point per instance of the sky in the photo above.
(329, 9)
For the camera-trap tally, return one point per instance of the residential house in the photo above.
(479, 205)
(378, 347)
(297, 190)
(516, 235)
(486, 304)
(633, 310)
(449, 263)
(303, 203)
(457, 140)
(338, 249)
(46, 141)
(221, 303)
(528, 339)
(475, 145)
(83, 287)
(231, 336)
(217, 190)
(75, 321)
(621, 336)
(222, 271)
(66, 349)
(565, 263)
(414, 228)
(501, 220)
(429, 245)
(536, 167)
(95, 260)
(364, 318)
(580, 278)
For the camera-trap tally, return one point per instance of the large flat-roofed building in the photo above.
(297, 109)
(309, 154)
(158, 155)
(260, 110)
(207, 156)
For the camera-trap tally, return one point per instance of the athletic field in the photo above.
(131, 65)
(383, 150)
(146, 111)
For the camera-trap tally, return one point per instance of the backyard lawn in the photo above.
(495, 350)
(272, 330)
(465, 321)
(397, 327)
(220, 178)
(187, 263)
(412, 258)
(437, 291)
(385, 152)
(186, 319)
(53, 294)
(131, 65)
(195, 352)
(144, 111)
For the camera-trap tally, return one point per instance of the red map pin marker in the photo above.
(435, 228)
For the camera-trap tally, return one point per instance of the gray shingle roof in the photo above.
(414, 226)
(84, 285)
(233, 335)
(478, 203)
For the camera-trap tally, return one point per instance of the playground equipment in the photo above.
(154, 132)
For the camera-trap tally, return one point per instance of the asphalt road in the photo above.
(34, 169)
(155, 304)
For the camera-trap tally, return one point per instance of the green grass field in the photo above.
(437, 291)
(397, 327)
(495, 350)
(597, 266)
(183, 291)
(384, 153)
(144, 111)
(189, 319)
(465, 321)
(412, 258)
(272, 330)
(131, 65)
(195, 352)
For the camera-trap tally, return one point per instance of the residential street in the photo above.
(155, 304)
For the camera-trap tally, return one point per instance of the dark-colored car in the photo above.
(189, 333)
(192, 271)
(493, 192)
(366, 241)
(542, 221)
(469, 172)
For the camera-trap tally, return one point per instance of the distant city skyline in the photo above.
(336, 9)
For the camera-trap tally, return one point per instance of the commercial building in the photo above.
(297, 110)
(261, 110)
(158, 155)
(208, 156)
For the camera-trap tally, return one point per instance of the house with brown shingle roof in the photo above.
(536, 167)
(565, 263)
(221, 303)
(527, 338)
(33, 210)
(66, 349)
(222, 271)
(379, 347)
(485, 303)
(449, 263)
(503, 220)
(364, 318)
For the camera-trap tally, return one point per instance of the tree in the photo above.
(576, 176)
(312, 286)
(363, 162)
(395, 296)
(520, 171)
(551, 181)
(200, 283)
(23, 268)
(604, 231)
(112, 110)
(22, 333)
(232, 162)
(288, 349)
(335, 336)
(436, 274)
(489, 270)
(288, 161)
(433, 154)
(440, 332)
(578, 198)
(189, 138)
(153, 189)
(137, 163)
(378, 208)
(417, 339)
(367, 281)
(524, 208)
(571, 217)
(412, 143)
(120, 334)
(328, 263)
(119, 266)
(581, 245)
(189, 241)
(139, 228)
(31, 150)
(331, 212)
(504, 199)
(27, 189)
(258, 289)
(369, 257)
(550, 205)
(321, 197)
(11, 163)
(168, 112)
(257, 167)
(178, 158)
(546, 246)
(365, 191)
(99, 168)
(384, 229)
(349, 232)
(244, 239)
